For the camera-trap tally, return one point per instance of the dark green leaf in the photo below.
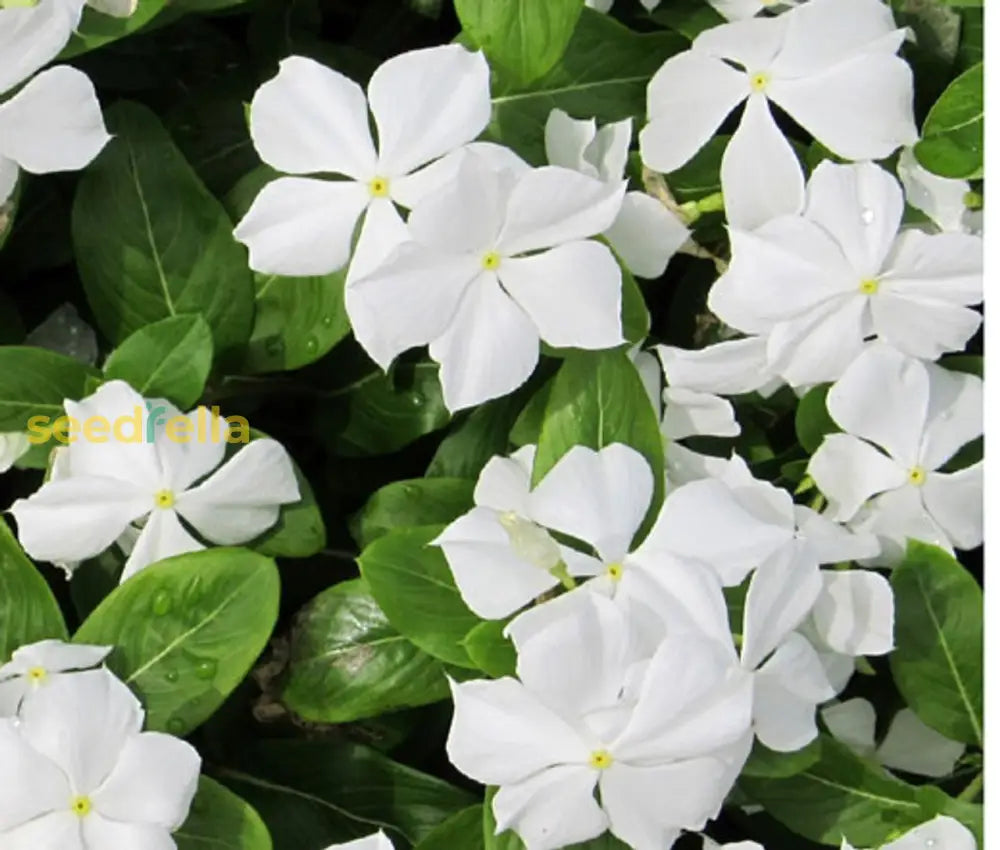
(764, 763)
(473, 441)
(812, 420)
(97, 29)
(952, 137)
(422, 501)
(490, 651)
(220, 820)
(35, 382)
(463, 830)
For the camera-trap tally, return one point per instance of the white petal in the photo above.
(82, 722)
(754, 44)
(505, 482)
(852, 723)
(943, 266)
(378, 841)
(552, 809)
(687, 100)
(860, 109)
(942, 200)
(608, 152)
(489, 349)
(410, 300)
(761, 176)
(500, 733)
(849, 471)
(110, 834)
(648, 806)
(782, 592)
(651, 375)
(694, 700)
(187, 462)
(691, 525)
(160, 797)
(599, 497)
(33, 35)
(823, 33)
(77, 518)
(115, 8)
(911, 745)
(896, 516)
(685, 466)
(687, 413)
(955, 502)
(954, 415)
(54, 656)
(646, 235)
(54, 123)
(243, 498)
(736, 10)
(12, 691)
(572, 293)
(922, 327)
(883, 396)
(830, 542)
(426, 103)
(726, 368)
(819, 345)
(59, 830)
(303, 227)
(382, 232)
(787, 690)
(33, 785)
(310, 119)
(492, 578)
(163, 536)
(941, 832)
(854, 614)
(549, 206)
(566, 139)
(860, 206)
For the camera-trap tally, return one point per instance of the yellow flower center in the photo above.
(37, 675)
(379, 187)
(759, 81)
(868, 286)
(491, 261)
(81, 806)
(917, 476)
(164, 499)
(615, 571)
(601, 760)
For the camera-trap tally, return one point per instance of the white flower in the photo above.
(708, 844)
(498, 260)
(40, 664)
(738, 10)
(53, 124)
(377, 841)
(312, 120)
(662, 737)
(818, 285)
(13, 446)
(910, 745)
(33, 33)
(605, 5)
(500, 557)
(904, 419)
(77, 772)
(942, 200)
(830, 64)
(645, 234)
(942, 833)
(100, 489)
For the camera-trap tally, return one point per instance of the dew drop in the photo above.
(175, 725)
(327, 321)
(868, 215)
(162, 603)
(171, 676)
(311, 344)
(417, 399)
(205, 669)
(411, 490)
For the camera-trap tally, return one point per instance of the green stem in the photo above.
(972, 790)
(562, 573)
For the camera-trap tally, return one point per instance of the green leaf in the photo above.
(381, 413)
(812, 420)
(764, 763)
(688, 17)
(490, 651)
(220, 820)
(167, 359)
(348, 662)
(840, 796)
(635, 314)
(528, 425)
(299, 531)
(701, 175)
(603, 74)
(421, 501)
(150, 240)
(485, 432)
(524, 37)
(186, 631)
(463, 830)
(938, 661)
(598, 399)
(313, 793)
(412, 583)
(952, 137)
(35, 382)
(28, 610)
(97, 29)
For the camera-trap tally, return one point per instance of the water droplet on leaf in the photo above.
(205, 669)
(162, 603)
